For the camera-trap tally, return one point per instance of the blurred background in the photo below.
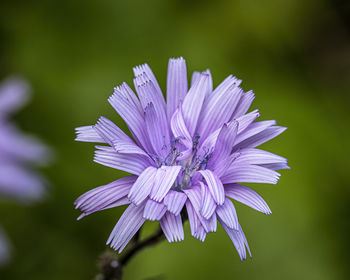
(294, 54)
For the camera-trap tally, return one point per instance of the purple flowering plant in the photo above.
(187, 157)
(18, 154)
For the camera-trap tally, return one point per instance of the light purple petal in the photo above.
(275, 166)
(175, 201)
(248, 197)
(208, 204)
(194, 195)
(238, 239)
(249, 174)
(257, 156)
(154, 210)
(129, 94)
(163, 181)
(172, 227)
(193, 102)
(176, 84)
(219, 160)
(108, 131)
(227, 213)
(143, 185)
(259, 138)
(214, 185)
(128, 224)
(195, 76)
(218, 107)
(133, 119)
(192, 217)
(181, 132)
(88, 134)
(157, 130)
(128, 147)
(244, 103)
(132, 163)
(145, 69)
(245, 120)
(104, 197)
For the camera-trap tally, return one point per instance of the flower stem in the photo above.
(112, 268)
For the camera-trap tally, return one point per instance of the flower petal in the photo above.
(247, 196)
(109, 131)
(128, 224)
(163, 181)
(242, 141)
(143, 185)
(218, 107)
(103, 197)
(175, 201)
(154, 210)
(257, 156)
(238, 239)
(172, 227)
(88, 134)
(132, 163)
(128, 93)
(193, 102)
(245, 120)
(219, 160)
(145, 69)
(215, 186)
(133, 119)
(208, 205)
(176, 84)
(227, 213)
(243, 104)
(157, 131)
(181, 132)
(249, 174)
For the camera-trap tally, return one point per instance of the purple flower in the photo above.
(187, 155)
(18, 153)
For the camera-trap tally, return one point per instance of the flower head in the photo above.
(187, 155)
(18, 153)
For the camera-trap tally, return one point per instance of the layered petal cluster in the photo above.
(18, 153)
(187, 156)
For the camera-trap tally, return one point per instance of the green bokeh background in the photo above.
(294, 54)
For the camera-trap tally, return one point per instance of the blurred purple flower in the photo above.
(18, 153)
(188, 153)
